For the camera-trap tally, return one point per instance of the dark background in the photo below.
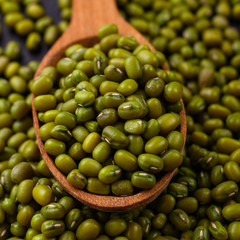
(52, 10)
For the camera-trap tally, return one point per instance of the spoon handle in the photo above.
(89, 15)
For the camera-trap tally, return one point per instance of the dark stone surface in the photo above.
(52, 9)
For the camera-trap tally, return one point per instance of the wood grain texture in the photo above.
(88, 16)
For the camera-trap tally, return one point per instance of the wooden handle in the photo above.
(89, 15)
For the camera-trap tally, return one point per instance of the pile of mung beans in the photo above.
(201, 42)
(28, 19)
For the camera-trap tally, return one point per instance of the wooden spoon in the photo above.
(87, 17)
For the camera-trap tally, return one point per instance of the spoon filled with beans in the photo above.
(107, 111)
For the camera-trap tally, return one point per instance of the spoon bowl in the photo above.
(87, 17)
